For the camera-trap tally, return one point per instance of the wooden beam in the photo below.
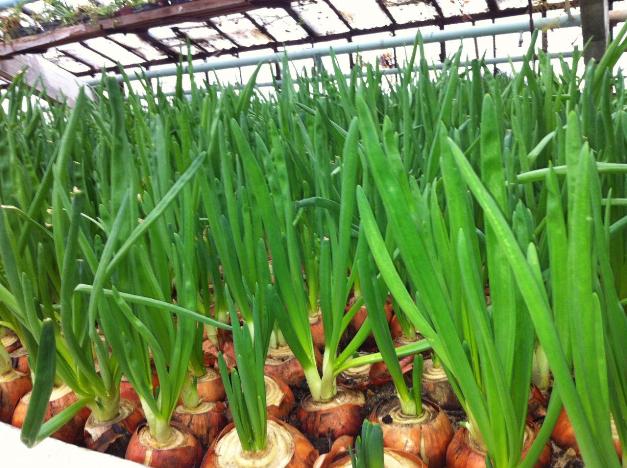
(196, 10)
(595, 27)
(44, 76)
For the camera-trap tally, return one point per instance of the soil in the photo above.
(565, 458)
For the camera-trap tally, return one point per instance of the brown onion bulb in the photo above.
(280, 399)
(338, 457)
(438, 389)
(204, 422)
(61, 397)
(210, 386)
(426, 436)
(10, 342)
(317, 330)
(286, 448)
(360, 317)
(13, 386)
(113, 436)
(379, 374)
(536, 405)
(391, 459)
(283, 365)
(19, 360)
(210, 352)
(228, 353)
(464, 452)
(127, 392)
(181, 450)
(336, 417)
(395, 328)
(564, 434)
(356, 378)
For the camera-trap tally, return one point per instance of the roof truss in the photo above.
(205, 11)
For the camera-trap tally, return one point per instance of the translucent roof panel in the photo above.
(162, 32)
(209, 37)
(319, 17)
(113, 50)
(65, 62)
(362, 14)
(92, 58)
(405, 11)
(463, 7)
(240, 29)
(278, 23)
(505, 4)
(180, 45)
(141, 47)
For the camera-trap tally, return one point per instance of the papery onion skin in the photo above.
(113, 437)
(379, 374)
(283, 407)
(427, 436)
(437, 388)
(61, 398)
(536, 405)
(360, 316)
(19, 360)
(204, 422)
(10, 342)
(317, 330)
(564, 435)
(332, 419)
(210, 387)
(127, 392)
(303, 457)
(13, 386)
(282, 364)
(401, 459)
(463, 452)
(185, 451)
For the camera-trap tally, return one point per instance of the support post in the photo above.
(595, 27)
(44, 76)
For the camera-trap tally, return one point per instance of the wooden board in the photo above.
(44, 76)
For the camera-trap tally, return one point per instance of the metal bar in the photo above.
(160, 46)
(260, 27)
(181, 35)
(595, 27)
(397, 71)
(339, 14)
(92, 69)
(331, 37)
(386, 12)
(302, 23)
(96, 51)
(135, 52)
(211, 24)
(383, 43)
(140, 21)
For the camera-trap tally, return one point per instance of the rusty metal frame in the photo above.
(243, 7)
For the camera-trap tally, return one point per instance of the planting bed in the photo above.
(428, 272)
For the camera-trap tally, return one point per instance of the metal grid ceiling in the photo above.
(257, 25)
